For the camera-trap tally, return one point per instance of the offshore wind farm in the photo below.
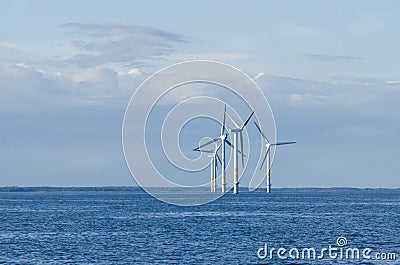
(216, 144)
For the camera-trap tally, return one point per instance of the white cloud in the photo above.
(23, 65)
(25, 86)
(393, 82)
(260, 74)
(134, 72)
(306, 99)
(98, 75)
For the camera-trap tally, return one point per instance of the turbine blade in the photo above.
(283, 143)
(209, 142)
(229, 143)
(223, 129)
(205, 151)
(241, 153)
(265, 157)
(218, 147)
(241, 147)
(247, 121)
(263, 135)
(229, 116)
(218, 159)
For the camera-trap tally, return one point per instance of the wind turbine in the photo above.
(237, 132)
(214, 165)
(224, 139)
(267, 156)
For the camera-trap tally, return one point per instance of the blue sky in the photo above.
(328, 68)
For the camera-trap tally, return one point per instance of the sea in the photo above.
(128, 226)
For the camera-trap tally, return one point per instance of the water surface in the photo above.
(130, 227)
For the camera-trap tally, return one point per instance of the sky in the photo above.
(329, 70)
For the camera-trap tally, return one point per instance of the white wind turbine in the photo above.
(237, 132)
(267, 156)
(224, 139)
(214, 165)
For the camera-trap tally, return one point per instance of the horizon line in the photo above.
(151, 187)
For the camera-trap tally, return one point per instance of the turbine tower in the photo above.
(267, 156)
(214, 165)
(224, 139)
(237, 132)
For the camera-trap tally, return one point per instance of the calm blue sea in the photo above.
(131, 227)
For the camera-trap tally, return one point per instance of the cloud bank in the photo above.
(119, 43)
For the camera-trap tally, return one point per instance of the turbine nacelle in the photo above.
(236, 130)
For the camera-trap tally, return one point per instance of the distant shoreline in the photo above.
(134, 188)
(65, 189)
